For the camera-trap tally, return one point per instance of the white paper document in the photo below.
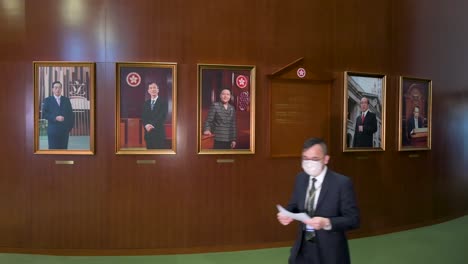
(299, 217)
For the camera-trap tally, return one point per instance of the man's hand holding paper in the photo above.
(285, 217)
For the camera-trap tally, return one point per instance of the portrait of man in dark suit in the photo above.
(415, 121)
(366, 126)
(58, 112)
(146, 108)
(154, 116)
(329, 200)
(415, 114)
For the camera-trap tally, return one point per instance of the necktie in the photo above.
(310, 233)
(362, 117)
(152, 104)
(310, 200)
(58, 100)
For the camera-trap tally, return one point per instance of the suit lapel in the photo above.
(324, 190)
(157, 105)
(303, 191)
(366, 118)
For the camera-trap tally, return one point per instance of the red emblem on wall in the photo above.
(301, 72)
(241, 81)
(133, 79)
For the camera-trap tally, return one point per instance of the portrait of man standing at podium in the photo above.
(414, 122)
(415, 114)
(366, 126)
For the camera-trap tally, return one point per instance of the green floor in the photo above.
(75, 143)
(443, 243)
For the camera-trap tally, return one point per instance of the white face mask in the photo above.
(312, 167)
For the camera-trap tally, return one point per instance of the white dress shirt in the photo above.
(318, 187)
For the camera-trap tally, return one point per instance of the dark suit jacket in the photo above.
(222, 122)
(156, 138)
(51, 109)
(411, 125)
(338, 203)
(365, 138)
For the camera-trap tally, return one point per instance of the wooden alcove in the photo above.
(299, 108)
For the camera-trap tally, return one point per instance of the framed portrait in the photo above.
(146, 108)
(364, 112)
(226, 109)
(415, 114)
(64, 107)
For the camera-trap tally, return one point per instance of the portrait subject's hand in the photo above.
(59, 118)
(361, 128)
(207, 133)
(233, 144)
(318, 222)
(149, 127)
(284, 220)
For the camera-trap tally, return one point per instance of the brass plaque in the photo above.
(225, 160)
(64, 162)
(146, 162)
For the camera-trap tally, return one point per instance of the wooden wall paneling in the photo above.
(362, 36)
(68, 31)
(129, 31)
(440, 61)
(66, 205)
(300, 110)
(109, 203)
(14, 182)
(13, 25)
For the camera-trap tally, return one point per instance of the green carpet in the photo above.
(441, 243)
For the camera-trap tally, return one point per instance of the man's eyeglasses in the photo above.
(313, 159)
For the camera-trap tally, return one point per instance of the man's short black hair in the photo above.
(152, 82)
(56, 83)
(314, 141)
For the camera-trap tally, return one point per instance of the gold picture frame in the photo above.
(145, 126)
(415, 114)
(64, 107)
(364, 133)
(226, 126)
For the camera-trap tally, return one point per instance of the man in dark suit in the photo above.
(153, 117)
(415, 121)
(58, 111)
(366, 126)
(329, 199)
